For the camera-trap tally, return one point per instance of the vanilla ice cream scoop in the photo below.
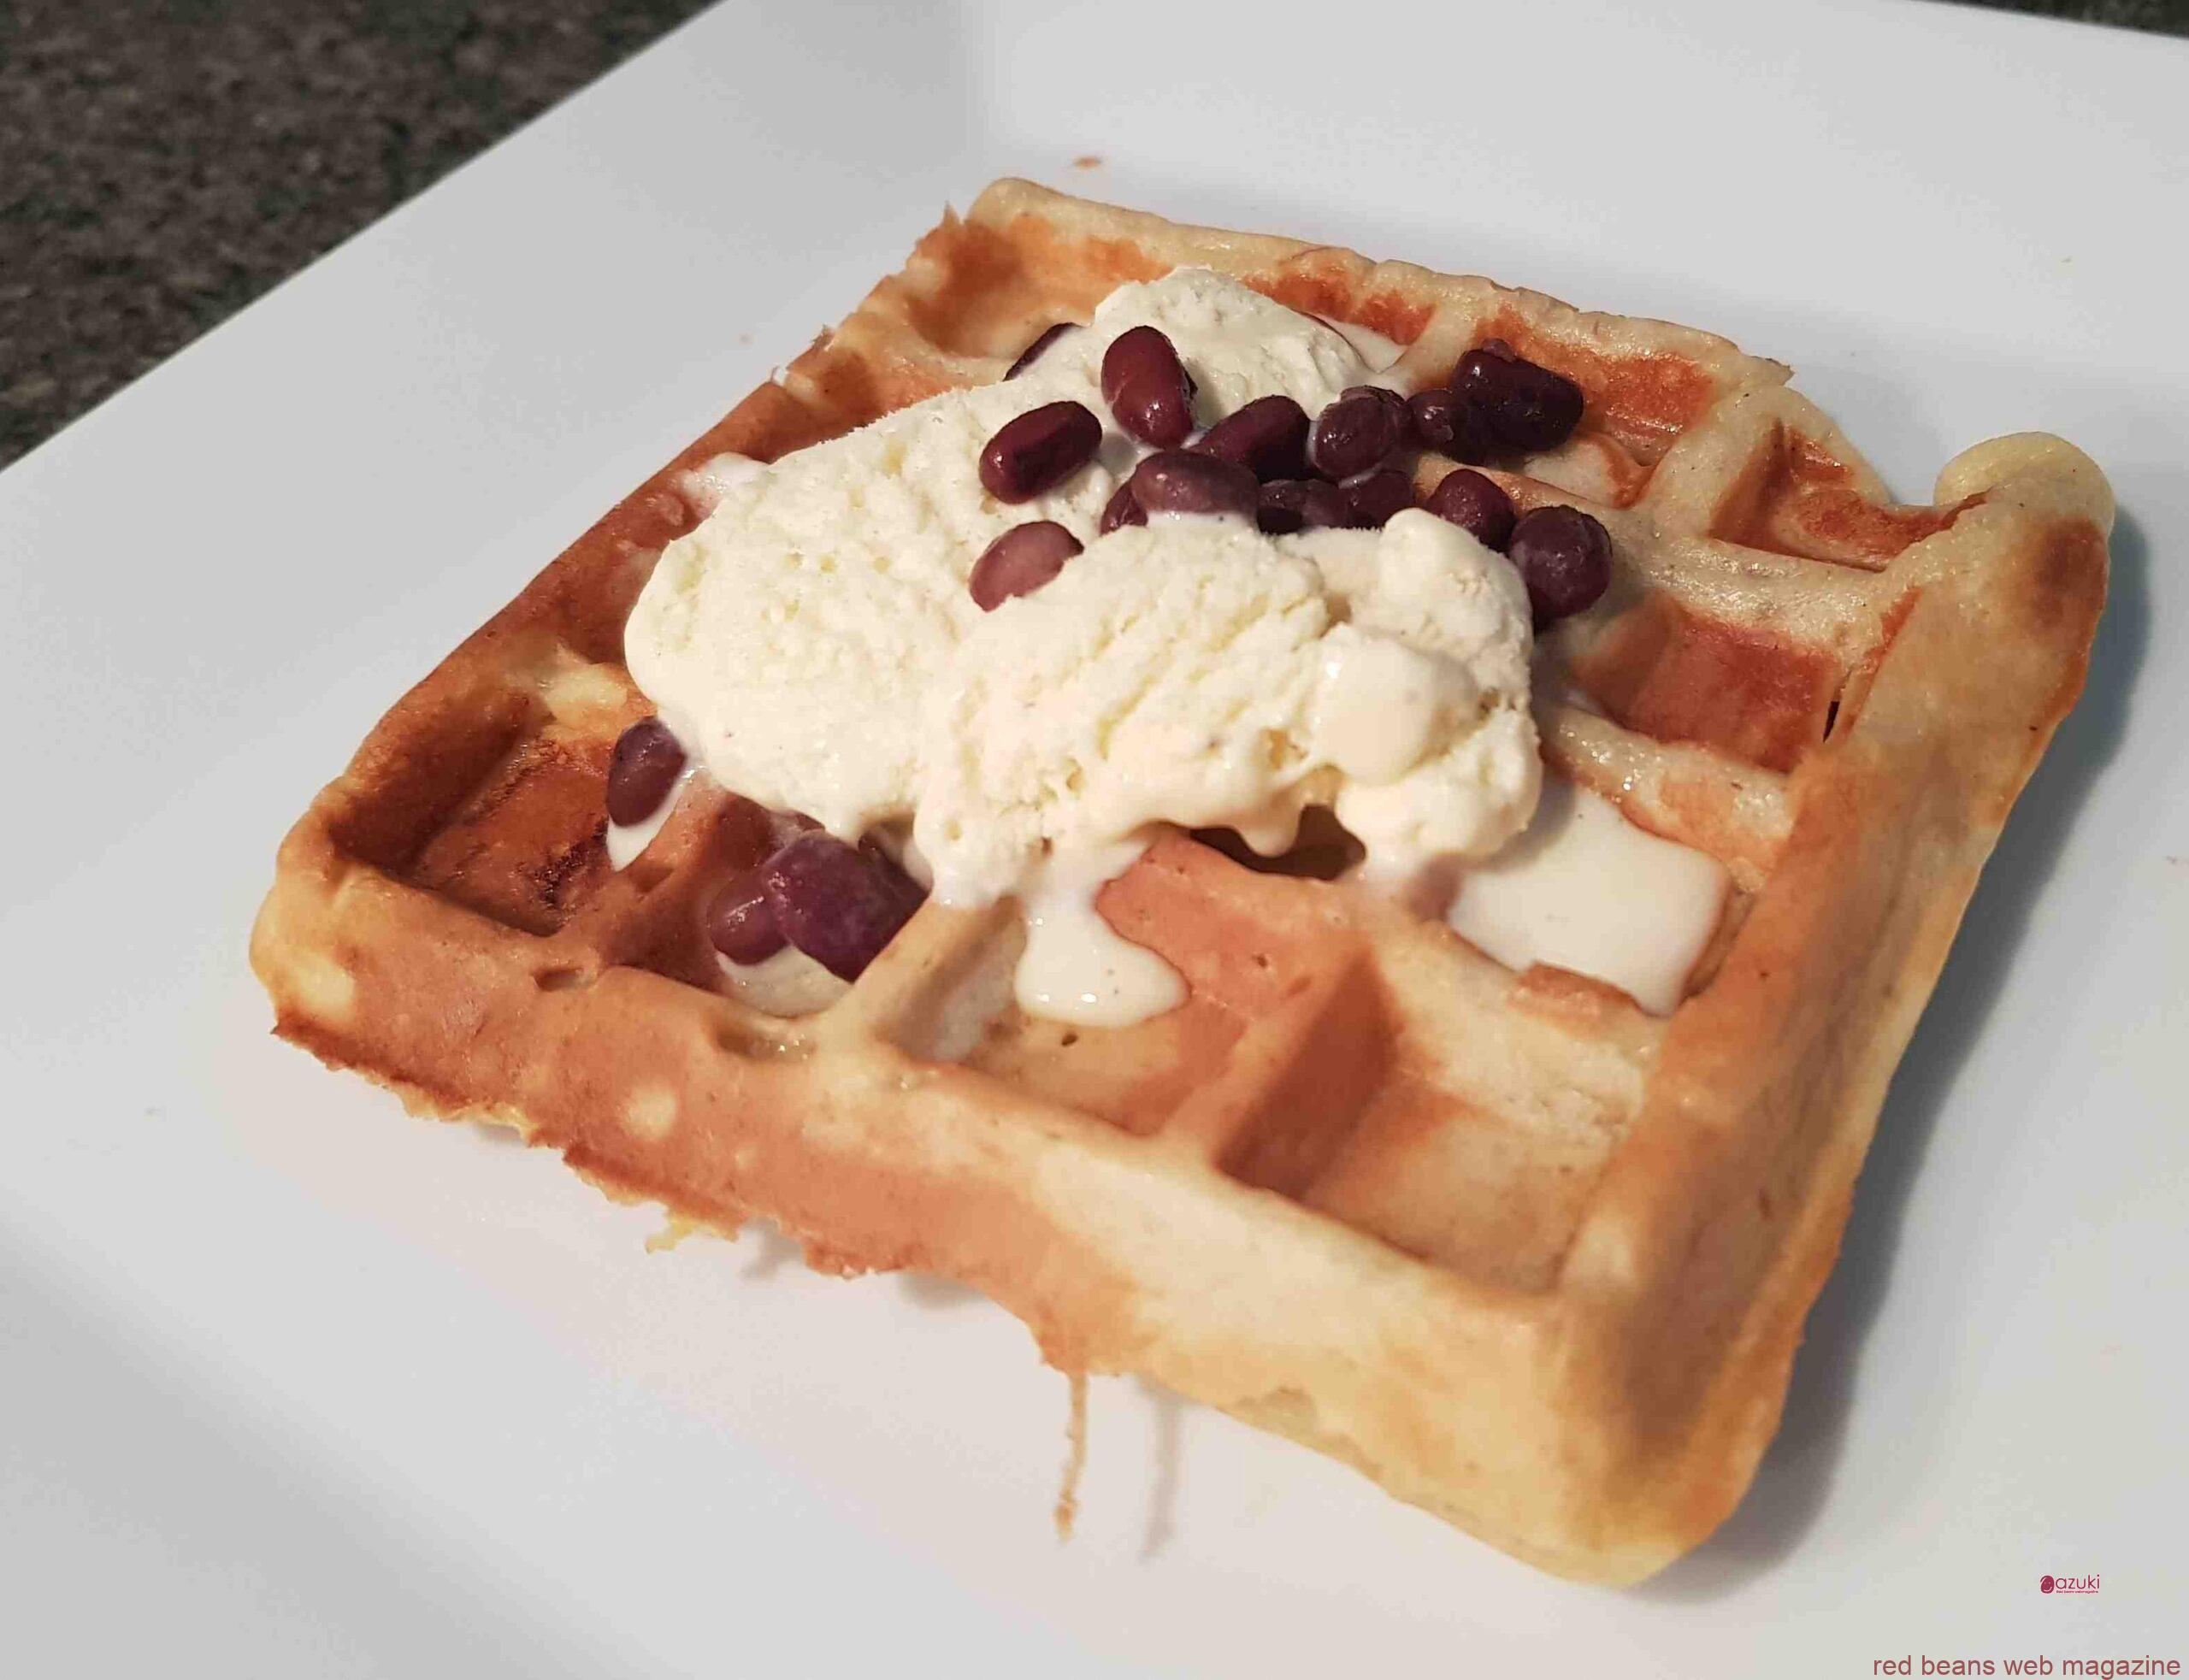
(1195, 672)
(791, 639)
(814, 645)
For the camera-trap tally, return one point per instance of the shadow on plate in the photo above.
(772, 1251)
(1796, 1472)
(1167, 1413)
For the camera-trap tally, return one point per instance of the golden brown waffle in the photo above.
(1526, 1255)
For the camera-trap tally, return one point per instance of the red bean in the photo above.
(1301, 504)
(1032, 353)
(1373, 497)
(1139, 352)
(1355, 434)
(1148, 391)
(1156, 411)
(1179, 481)
(1268, 436)
(1123, 509)
(839, 905)
(1526, 405)
(1039, 450)
(1451, 425)
(643, 768)
(1020, 562)
(1477, 504)
(1565, 558)
(1394, 404)
(742, 922)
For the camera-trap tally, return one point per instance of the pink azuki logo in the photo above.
(2066, 1583)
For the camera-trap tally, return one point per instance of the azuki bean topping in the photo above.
(1353, 435)
(1301, 504)
(1039, 450)
(1475, 504)
(1451, 425)
(1268, 436)
(1565, 558)
(1149, 392)
(1179, 481)
(838, 904)
(1020, 562)
(742, 922)
(1528, 406)
(641, 769)
(1373, 497)
(1122, 508)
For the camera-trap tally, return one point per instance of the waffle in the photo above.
(1529, 1257)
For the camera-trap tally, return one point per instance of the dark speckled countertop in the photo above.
(164, 162)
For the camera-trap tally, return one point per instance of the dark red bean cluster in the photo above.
(1270, 461)
(1562, 554)
(839, 904)
(1289, 505)
(641, 769)
(1497, 401)
(1301, 474)
(1448, 423)
(1565, 558)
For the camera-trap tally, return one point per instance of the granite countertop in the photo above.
(162, 165)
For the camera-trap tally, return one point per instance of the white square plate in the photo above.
(292, 1384)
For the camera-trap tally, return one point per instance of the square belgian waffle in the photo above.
(1526, 1255)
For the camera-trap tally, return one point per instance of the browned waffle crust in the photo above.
(1527, 1256)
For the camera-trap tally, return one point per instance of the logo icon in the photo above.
(2044, 1583)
